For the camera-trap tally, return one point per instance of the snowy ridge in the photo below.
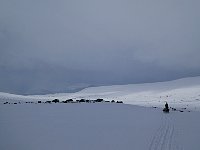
(179, 93)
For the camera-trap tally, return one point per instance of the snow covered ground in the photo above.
(96, 127)
(105, 126)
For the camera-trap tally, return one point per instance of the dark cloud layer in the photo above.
(53, 46)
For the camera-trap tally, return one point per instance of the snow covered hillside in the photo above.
(178, 93)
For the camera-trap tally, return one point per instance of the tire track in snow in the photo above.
(164, 137)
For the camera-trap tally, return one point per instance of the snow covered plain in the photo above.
(96, 127)
(105, 126)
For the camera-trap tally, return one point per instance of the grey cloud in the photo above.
(65, 42)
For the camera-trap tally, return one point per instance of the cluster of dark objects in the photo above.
(180, 110)
(174, 109)
(81, 101)
(18, 103)
(72, 101)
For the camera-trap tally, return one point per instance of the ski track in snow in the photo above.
(164, 138)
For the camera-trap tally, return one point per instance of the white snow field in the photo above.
(102, 126)
(105, 126)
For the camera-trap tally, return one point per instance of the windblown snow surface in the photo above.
(105, 126)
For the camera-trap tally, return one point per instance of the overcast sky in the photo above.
(52, 45)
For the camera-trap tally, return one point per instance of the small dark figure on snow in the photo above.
(166, 109)
(166, 106)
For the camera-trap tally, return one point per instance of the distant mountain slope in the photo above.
(178, 93)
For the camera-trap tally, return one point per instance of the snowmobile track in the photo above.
(164, 137)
